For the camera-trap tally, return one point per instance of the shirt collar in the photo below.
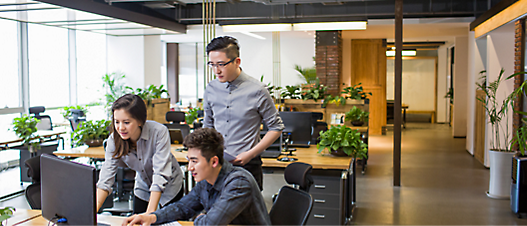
(241, 78)
(145, 131)
(226, 168)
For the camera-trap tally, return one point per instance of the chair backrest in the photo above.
(299, 173)
(45, 120)
(33, 196)
(175, 116)
(292, 207)
(76, 117)
(33, 168)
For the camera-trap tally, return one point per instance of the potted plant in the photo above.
(114, 87)
(308, 74)
(500, 154)
(314, 91)
(355, 92)
(342, 141)
(191, 115)
(291, 92)
(91, 133)
(356, 116)
(25, 127)
(6, 213)
(66, 111)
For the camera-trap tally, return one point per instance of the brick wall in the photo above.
(519, 47)
(328, 58)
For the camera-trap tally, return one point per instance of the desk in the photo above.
(10, 137)
(23, 215)
(333, 188)
(37, 219)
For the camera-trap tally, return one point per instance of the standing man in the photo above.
(235, 104)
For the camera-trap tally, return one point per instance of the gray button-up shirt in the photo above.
(155, 166)
(235, 198)
(236, 110)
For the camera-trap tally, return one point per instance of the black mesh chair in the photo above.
(175, 118)
(32, 192)
(292, 206)
(76, 117)
(45, 120)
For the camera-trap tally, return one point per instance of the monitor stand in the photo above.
(288, 157)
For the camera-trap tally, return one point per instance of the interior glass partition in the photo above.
(9, 54)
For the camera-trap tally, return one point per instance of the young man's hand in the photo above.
(141, 219)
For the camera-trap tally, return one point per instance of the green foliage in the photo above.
(293, 92)
(91, 130)
(25, 128)
(114, 87)
(314, 92)
(66, 111)
(343, 137)
(355, 92)
(308, 74)
(148, 94)
(271, 88)
(356, 114)
(6, 213)
(191, 115)
(520, 137)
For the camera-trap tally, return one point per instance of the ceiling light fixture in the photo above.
(330, 26)
(391, 53)
(252, 35)
(256, 27)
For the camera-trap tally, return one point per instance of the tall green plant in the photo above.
(496, 111)
(314, 91)
(345, 138)
(149, 93)
(114, 87)
(191, 115)
(308, 74)
(292, 92)
(25, 127)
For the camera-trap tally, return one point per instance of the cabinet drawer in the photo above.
(326, 185)
(326, 201)
(323, 216)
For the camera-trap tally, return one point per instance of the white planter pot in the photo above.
(500, 174)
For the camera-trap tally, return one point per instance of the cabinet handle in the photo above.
(319, 216)
(320, 186)
(320, 200)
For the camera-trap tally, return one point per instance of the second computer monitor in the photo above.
(299, 124)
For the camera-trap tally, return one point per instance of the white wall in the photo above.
(500, 54)
(459, 124)
(153, 60)
(442, 71)
(296, 48)
(471, 94)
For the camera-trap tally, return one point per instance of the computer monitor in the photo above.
(68, 191)
(176, 137)
(299, 123)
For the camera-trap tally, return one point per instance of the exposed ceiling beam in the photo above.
(140, 16)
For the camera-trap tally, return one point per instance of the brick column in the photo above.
(328, 58)
(519, 59)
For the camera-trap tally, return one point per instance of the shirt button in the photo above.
(225, 135)
(229, 92)
(227, 120)
(227, 106)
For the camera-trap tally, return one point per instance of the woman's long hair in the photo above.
(135, 106)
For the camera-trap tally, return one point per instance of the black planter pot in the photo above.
(357, 123)
(94, 142)
(339, 153)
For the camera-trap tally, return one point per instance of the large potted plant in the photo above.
(91, 133)
(25, 127)
(6, 213)
(500, 154)
(342, 141)
(356, 116)
(156, 100)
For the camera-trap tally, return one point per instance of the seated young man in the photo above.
(224, 194)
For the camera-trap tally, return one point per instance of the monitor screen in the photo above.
(68, 191)
(176, 137)
(299, 124)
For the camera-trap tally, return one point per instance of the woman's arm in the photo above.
(154, 201)
(101, 197)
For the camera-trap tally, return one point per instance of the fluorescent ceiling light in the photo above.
(252, 35)
(256, 27)
(330, 26)
(391, 53)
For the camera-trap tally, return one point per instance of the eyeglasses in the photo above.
(219, 65)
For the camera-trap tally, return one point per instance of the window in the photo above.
(9, 65)
(91, 66)
(48, 66)
(190, 73)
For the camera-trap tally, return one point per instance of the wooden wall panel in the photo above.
(479, 128)
(367, 65)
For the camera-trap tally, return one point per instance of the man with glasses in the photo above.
(235, 104)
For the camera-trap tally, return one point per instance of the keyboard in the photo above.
(270, 154)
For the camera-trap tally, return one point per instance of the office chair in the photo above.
(33, 192)
(175, 118)
(45, 120)
(293, 206)
(76, 117)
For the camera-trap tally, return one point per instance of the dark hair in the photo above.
(135, 106)
(226, 44)
(208, 140)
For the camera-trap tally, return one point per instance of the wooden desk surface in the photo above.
(106, 219)
(11, 137)
(307, 155)
(23, 215)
